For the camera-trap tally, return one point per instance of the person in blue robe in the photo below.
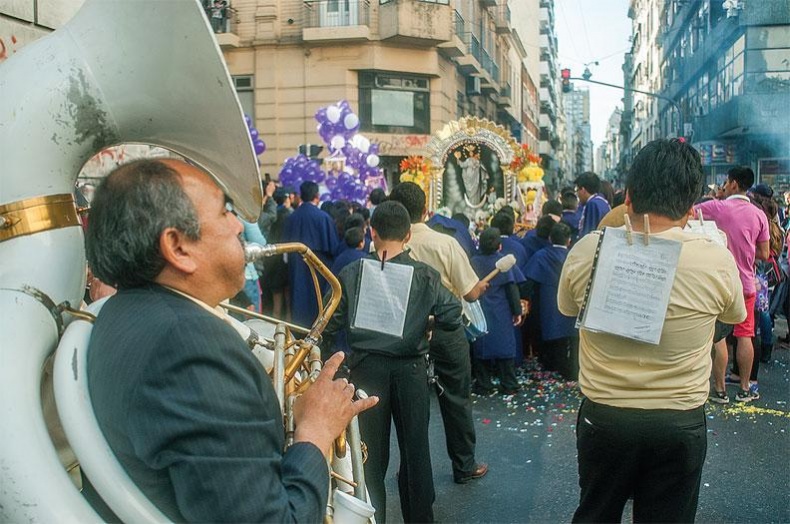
(495, 352)
(354, 243)
(316, 229)
(456, 229)
(511, 245)
(588, 188)
(559, 337)
(538, 238)
(571, 213)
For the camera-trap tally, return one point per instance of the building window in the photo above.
(394, 103)
(443, 2)
(245, 90)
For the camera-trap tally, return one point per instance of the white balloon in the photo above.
(333, 114)
(351, 121)
(349, 170)
(372, 160)
(363, 144)
(337, 142)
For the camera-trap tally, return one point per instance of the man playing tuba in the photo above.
(185, 406)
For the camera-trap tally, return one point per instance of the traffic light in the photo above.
(566, 80)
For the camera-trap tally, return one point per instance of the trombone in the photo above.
(296, 365)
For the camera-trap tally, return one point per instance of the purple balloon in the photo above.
(326, 132)
(331, 182)
(260, 147)
(337, 193)
(320, 115)
(373, 149)
(360, 193)
(248, 120)
(325, 197)
(319, 176)
(254, 134)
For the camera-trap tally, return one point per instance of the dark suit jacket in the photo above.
(193, 417)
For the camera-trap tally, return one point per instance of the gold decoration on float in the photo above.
(471, 173)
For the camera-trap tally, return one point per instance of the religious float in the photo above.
(476, 167)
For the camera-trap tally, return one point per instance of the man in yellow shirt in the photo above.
(449, 349)
(641, 428)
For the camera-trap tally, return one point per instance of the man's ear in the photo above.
(627, 200)
(175, 249)
(408, 237)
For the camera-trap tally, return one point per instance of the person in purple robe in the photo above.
(588, 188)
(495, 352)
(559, 336)
(314, 228)
(571, 212)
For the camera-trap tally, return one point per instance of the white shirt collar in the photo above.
(217, 311)
(738, 197)
(557, 245)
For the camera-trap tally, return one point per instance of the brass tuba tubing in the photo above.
(278, 376)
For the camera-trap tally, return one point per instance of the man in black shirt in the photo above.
(391, 363)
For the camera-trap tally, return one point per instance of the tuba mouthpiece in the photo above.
(253, 251)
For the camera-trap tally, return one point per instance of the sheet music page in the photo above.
(383, 297)
(631, 287)
(709, 229)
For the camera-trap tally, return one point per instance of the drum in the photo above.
(474, 320)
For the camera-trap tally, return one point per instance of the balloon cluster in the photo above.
(300, 169)
(338, 127)
(351, 171)
(257, 141)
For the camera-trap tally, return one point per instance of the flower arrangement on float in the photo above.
(529, 179)
(350, 171)
(416, 169)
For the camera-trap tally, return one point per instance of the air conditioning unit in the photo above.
(473, 86)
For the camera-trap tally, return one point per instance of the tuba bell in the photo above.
(146, 71)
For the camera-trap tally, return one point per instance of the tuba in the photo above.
(121, 71)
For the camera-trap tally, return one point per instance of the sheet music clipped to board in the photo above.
(630, 286)
(383, 297)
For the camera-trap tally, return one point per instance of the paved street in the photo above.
(529, 443)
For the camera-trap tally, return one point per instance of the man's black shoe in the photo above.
(479, 471)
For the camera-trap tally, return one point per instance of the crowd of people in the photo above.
(180, 411)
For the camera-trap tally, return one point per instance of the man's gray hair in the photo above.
(130, 210)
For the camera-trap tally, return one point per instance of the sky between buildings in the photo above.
(590, 30)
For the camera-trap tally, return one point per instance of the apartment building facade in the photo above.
(728, 70)
(407, 67)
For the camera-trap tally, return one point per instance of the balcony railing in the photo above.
(475, 49)
(458, 23)
(336, 13)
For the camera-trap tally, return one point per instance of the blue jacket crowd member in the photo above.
(449, 347)
(559, 339)
(456, 229)
(588, 187)
(504, 221)
(570, 212)
(185, 406)
(354, 240)
(315, 229)
(538, 238)
(641, 425)
(395, 367)
(252, 234)
(496, 350)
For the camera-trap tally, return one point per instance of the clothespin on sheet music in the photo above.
(383, 259)
(701, 220)
(628, 230)
(646, 231)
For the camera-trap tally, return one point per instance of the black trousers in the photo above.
(502, 368)
(450, 353)
(404, 397)
(561, 355)
(656, 455)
